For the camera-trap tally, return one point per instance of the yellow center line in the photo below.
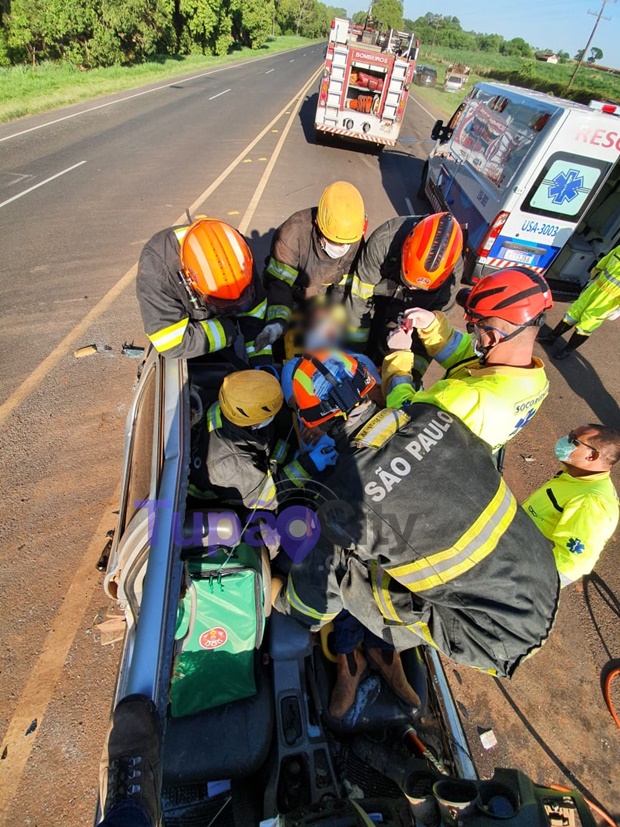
(258, 193)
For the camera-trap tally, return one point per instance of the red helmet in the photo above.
(430, 251)
(516, 296)
(329, 383)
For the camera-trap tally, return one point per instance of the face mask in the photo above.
(263, 424)
(335, 250)
(564, 448)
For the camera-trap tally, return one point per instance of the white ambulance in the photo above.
(365, 83)
(534, 180)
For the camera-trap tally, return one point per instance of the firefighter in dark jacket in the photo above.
(236, 455)
(198, 292)
(422, 555)
(314, 250)
(410, 261)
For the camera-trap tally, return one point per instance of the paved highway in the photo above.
(81, 190)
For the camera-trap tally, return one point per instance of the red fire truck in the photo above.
(365, 83)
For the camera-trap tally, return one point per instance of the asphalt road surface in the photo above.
(81, 191)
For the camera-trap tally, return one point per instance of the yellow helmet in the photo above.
(340, 214)
(249, 397)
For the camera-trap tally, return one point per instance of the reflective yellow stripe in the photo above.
(380, 582)
(252, 352)
(346, 280)
(299, 606)
(358, 334)
(266, 496)
(296, 473)
(363, 289)
(215, 334)
(278, 312)
(475, 544)
(257, 312)
(282, 271)
(214, 417)
(169, 337)
(180, 233)
(380, 428)
(421, 628)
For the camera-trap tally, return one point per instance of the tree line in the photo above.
(446, 30)
(91, 33)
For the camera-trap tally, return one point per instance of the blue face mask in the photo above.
(564, 448)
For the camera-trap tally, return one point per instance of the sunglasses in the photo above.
(574, 441)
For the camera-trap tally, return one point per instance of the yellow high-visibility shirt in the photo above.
(495, 402)
(578, 515)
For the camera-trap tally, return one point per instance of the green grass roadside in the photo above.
(25, 91)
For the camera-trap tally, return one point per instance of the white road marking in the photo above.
(40, 184)
(219, 95)
(409, 206)
(415, 100)
(137, 95)
(269, 71)
(292, 60)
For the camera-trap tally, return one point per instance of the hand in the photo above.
(269, 334)
(399, 339)
(419, 318)
(324, 453)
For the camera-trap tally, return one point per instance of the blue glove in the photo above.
(324, 453)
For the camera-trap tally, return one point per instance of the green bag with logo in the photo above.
(219, 630)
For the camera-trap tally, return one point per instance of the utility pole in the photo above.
(592, 33)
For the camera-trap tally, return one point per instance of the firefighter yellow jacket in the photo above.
(578, 515)
(494, 402)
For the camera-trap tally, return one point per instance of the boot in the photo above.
(575, 341)
(555, 334)
(130, 765)
(350, 669)
(391, 667)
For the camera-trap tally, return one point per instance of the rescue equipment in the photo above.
(328, 384)
(220, 625)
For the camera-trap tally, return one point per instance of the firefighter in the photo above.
(598, 302)
(409, 261)
(198, 292)
(236, 456)
(492, 383)
(313, 251)
(578, 509)
(419, 555)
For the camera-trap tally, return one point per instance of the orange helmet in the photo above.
(430, 251)
(515, 295)
(329, 383)
(217, 262)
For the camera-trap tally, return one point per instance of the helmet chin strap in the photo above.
(482, 352)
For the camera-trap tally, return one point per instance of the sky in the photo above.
(554, 24)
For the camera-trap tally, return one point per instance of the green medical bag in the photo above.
(219, 631)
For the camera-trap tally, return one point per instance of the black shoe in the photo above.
(563, 354)
(130, 765)
(552, 337)
(575, 341)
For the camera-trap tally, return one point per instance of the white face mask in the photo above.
(335, 250)
(263, 424)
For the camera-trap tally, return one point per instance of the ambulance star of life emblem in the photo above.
(566, 186)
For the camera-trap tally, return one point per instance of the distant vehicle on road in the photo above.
(534, 179)
(365, 84)
(457, 76)
(425, 76)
